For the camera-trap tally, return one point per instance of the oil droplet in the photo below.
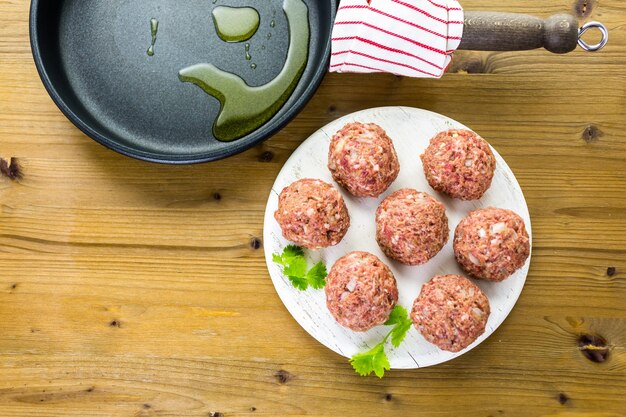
(244, 108)
(253, 65)
(154, 29)
(248, 56)
(273, 23)
(269, 35)
(235, 24)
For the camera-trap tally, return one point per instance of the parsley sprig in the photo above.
(375, 360)
(295, 268)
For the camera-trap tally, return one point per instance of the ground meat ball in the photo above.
(450, 312)
(363, 160)
(491, 243)
(360, 291)
(312, 213)
(459, 163)
(411, 226)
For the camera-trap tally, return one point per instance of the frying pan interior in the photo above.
(92, 57)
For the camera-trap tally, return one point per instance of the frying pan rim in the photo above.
(272, 126)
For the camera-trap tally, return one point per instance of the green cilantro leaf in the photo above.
(400, 318)
(398, 315)
(375, 360)
(295, 266)
(399, 333)
(291, 252)
(381, 363)
(317, 276)
(299, 282)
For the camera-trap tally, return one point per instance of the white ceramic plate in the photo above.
(411, 130)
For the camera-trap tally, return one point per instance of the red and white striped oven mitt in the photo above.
(414, 38)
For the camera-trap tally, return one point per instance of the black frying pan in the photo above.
(91, 56)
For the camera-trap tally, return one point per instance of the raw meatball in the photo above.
(459, 163)
(363, 160)
(491, 243)
(360, 291)
(450, 312)
(312, 213)
(411, 226)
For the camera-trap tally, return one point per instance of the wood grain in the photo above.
(130, 289)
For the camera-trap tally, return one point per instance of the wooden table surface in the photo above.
(131, 289)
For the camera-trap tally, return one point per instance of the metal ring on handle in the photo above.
(598, 46)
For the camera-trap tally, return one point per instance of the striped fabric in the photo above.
(414, 38)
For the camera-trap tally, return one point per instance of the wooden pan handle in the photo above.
(493, 31)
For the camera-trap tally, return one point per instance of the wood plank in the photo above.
(132, 289)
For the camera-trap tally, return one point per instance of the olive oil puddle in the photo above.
(235, 24)
(244, 108)
(154, 29)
